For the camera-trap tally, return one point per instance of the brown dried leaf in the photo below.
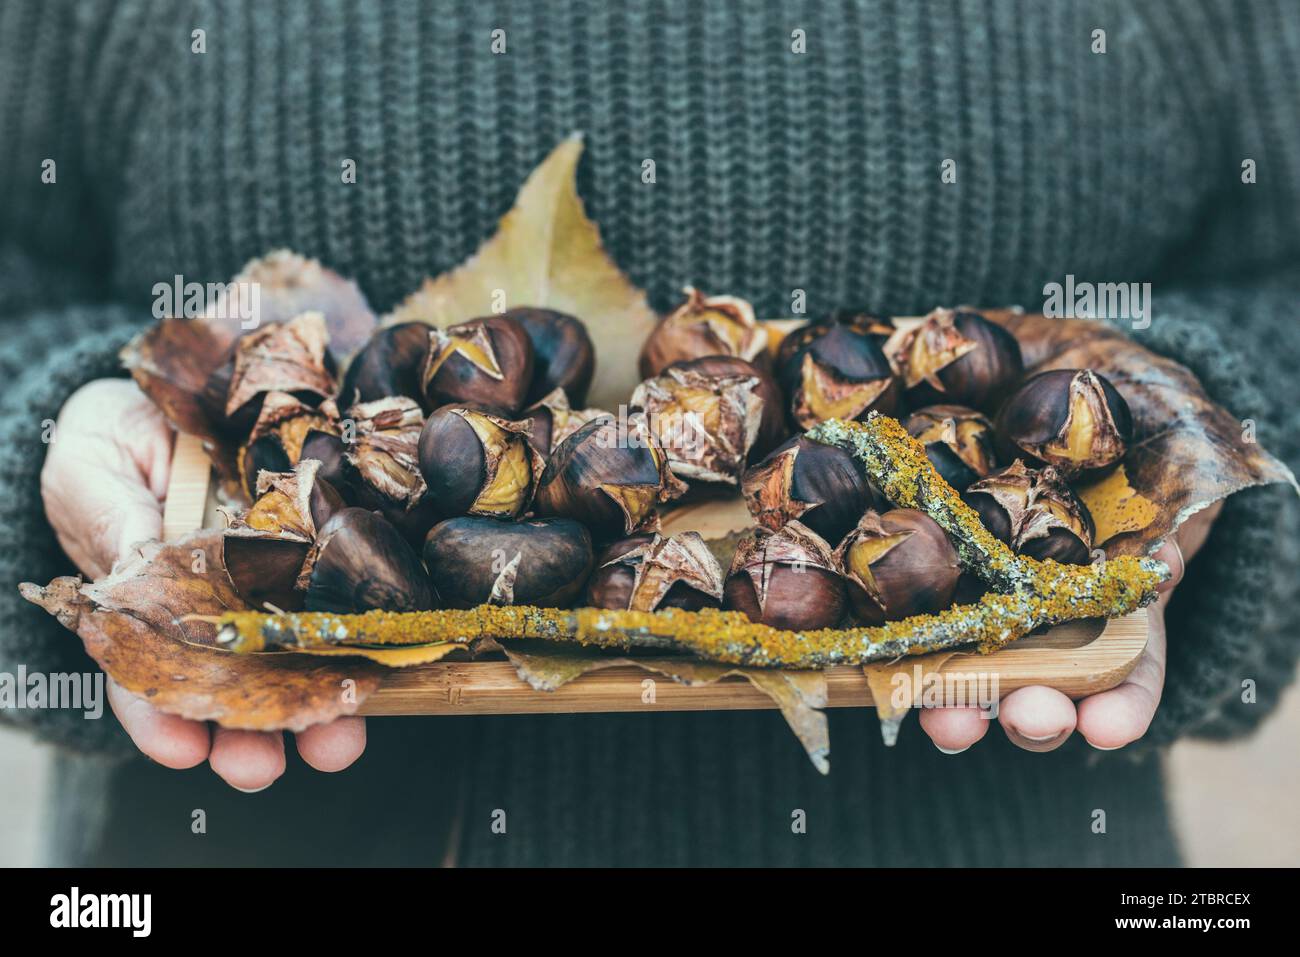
(881, 681)
(290, 284)
(1187, 451)
(403, 657)
(547, 253)
(800, 695)
(136, 624)
(1116, 507)
(173, 361)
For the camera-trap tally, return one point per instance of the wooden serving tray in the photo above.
(1077, 658)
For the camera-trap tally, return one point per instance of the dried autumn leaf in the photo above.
(391, 657)
(801, 696)
(137, 624)
(1116, 507)
(182, 364)
(1187, 452)
(884, 684)
(548, 253)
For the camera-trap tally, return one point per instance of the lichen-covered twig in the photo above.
(1026, 594)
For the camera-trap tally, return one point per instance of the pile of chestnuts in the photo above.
(450, 468)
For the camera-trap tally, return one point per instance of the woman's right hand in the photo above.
(104, 481)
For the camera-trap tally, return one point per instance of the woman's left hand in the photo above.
(1042, 719)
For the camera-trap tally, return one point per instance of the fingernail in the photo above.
(251, 790)
(1031, 743)
(953, 750)
(1098, 747)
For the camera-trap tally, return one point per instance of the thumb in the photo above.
(135, 527)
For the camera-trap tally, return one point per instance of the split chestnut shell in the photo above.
(955, 356)
(822, 486)
(649, 572)
(1071, 419)
(898, 564)
(485, 363)
(478, 464)
(836, 369)
(1034, 512)
(609, 475)
(785, 579)
(710, 415)
(360, 562)
(704, 326)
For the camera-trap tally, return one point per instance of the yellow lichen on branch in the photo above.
(1026, 594)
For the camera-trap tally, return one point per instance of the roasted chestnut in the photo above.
(1073, 419)
(609, 475)
(649, 572)
(704, 326)
(897, 564)
(475, 561)
(484, 363)
(835, 369)
(822, 486)
(289, 357)
(382, 465)
(709, 422)
(391, 363)
(958, 442)
(263, 550)
(360, 562)
(478, 464)
(563, 356)
(1034, 512)
(771, 427)
(276, 442)
(955, 357)
(552, 420)
(785, 579)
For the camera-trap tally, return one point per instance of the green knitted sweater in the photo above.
(776, 171)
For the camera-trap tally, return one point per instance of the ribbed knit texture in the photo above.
(776, 172)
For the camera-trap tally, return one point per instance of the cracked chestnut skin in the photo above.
(278, 437)
(824, 487)
(1035, 513)
(472, 561)
(263, 550)
(606, 479)
(835, 368)
(1072, 419)
(467, 474)
(959, 442)
(485, 363)
(360, 562)
(898, 563)
(614, 583)
(563, 355)
(704, 326)
(785, 579)
(955, 356)
(772, 430)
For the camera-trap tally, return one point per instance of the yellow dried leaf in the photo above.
(547, 252)
(891, 706)
(403, 657)
(1116, 506)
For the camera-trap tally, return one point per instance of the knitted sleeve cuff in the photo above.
(48, 355)
(1234, 623)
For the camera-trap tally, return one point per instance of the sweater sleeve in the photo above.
(46, 355)
(1234, 622)
(57, 329)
